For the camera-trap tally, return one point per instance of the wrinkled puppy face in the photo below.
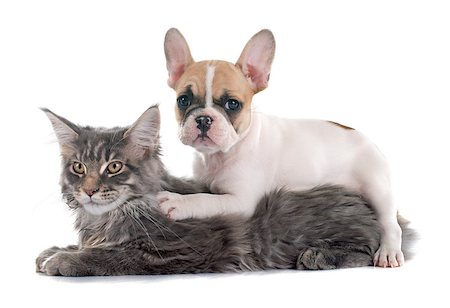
(214, 97)
(213, 106)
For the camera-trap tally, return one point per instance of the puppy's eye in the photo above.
(114, 167)
(232, 105)
(78, 168)
(184, 101)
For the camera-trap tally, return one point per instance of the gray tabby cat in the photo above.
(110, 178)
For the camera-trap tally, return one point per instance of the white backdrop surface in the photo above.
(382, 67)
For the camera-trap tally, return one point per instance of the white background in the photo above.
(382, 67)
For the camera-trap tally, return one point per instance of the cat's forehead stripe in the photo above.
(98, 147)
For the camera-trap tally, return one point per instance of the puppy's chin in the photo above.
(205, 145)
(208, 145)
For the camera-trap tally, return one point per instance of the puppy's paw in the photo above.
(173, 205)
(164, 196)
(387, 256)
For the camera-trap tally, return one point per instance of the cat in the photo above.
(110, 178)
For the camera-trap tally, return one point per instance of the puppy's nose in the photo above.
(204, 123)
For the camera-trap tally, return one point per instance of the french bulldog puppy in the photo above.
(243, 155)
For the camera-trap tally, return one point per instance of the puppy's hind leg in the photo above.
(373, 174)
(389, 253)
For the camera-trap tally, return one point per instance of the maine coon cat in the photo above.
(110, 178)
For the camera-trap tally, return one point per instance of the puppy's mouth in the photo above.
(202, 136)
(204, 139)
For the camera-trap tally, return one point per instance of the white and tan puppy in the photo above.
(243, 155)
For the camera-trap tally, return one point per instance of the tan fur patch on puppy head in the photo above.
(214, 97)
(213, 84)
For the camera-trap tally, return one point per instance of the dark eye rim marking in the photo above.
(74, 171)
(225, 101)
(185, 99)
(235, 107)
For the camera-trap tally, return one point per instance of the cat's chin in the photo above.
(100, 209)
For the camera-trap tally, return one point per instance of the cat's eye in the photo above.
(78, 168)
(114, 167)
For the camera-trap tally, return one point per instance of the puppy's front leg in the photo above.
(178, 207)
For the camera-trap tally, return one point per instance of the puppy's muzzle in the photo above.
(204, 124)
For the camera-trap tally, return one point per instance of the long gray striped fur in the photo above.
(325, 228)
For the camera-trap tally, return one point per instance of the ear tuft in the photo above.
(178, 55)
(256, 59)
(143, 135)
(66, 132)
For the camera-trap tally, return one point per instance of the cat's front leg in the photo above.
(65, 263)
(98, 261)
(47, 254)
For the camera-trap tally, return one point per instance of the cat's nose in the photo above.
(90, 192)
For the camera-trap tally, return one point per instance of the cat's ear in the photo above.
(143, 136)
(66, 132)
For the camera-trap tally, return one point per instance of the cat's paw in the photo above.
(63, 263)
(45, 256)
(173, 205)
(387, 256)
(315, 259)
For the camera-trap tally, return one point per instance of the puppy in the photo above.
(242, 155)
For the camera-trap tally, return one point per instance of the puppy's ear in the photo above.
(178, 55)
(256, 59)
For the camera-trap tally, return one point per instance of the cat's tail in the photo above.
(409, 237)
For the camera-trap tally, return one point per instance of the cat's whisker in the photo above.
(136, 219)
(155, 221)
